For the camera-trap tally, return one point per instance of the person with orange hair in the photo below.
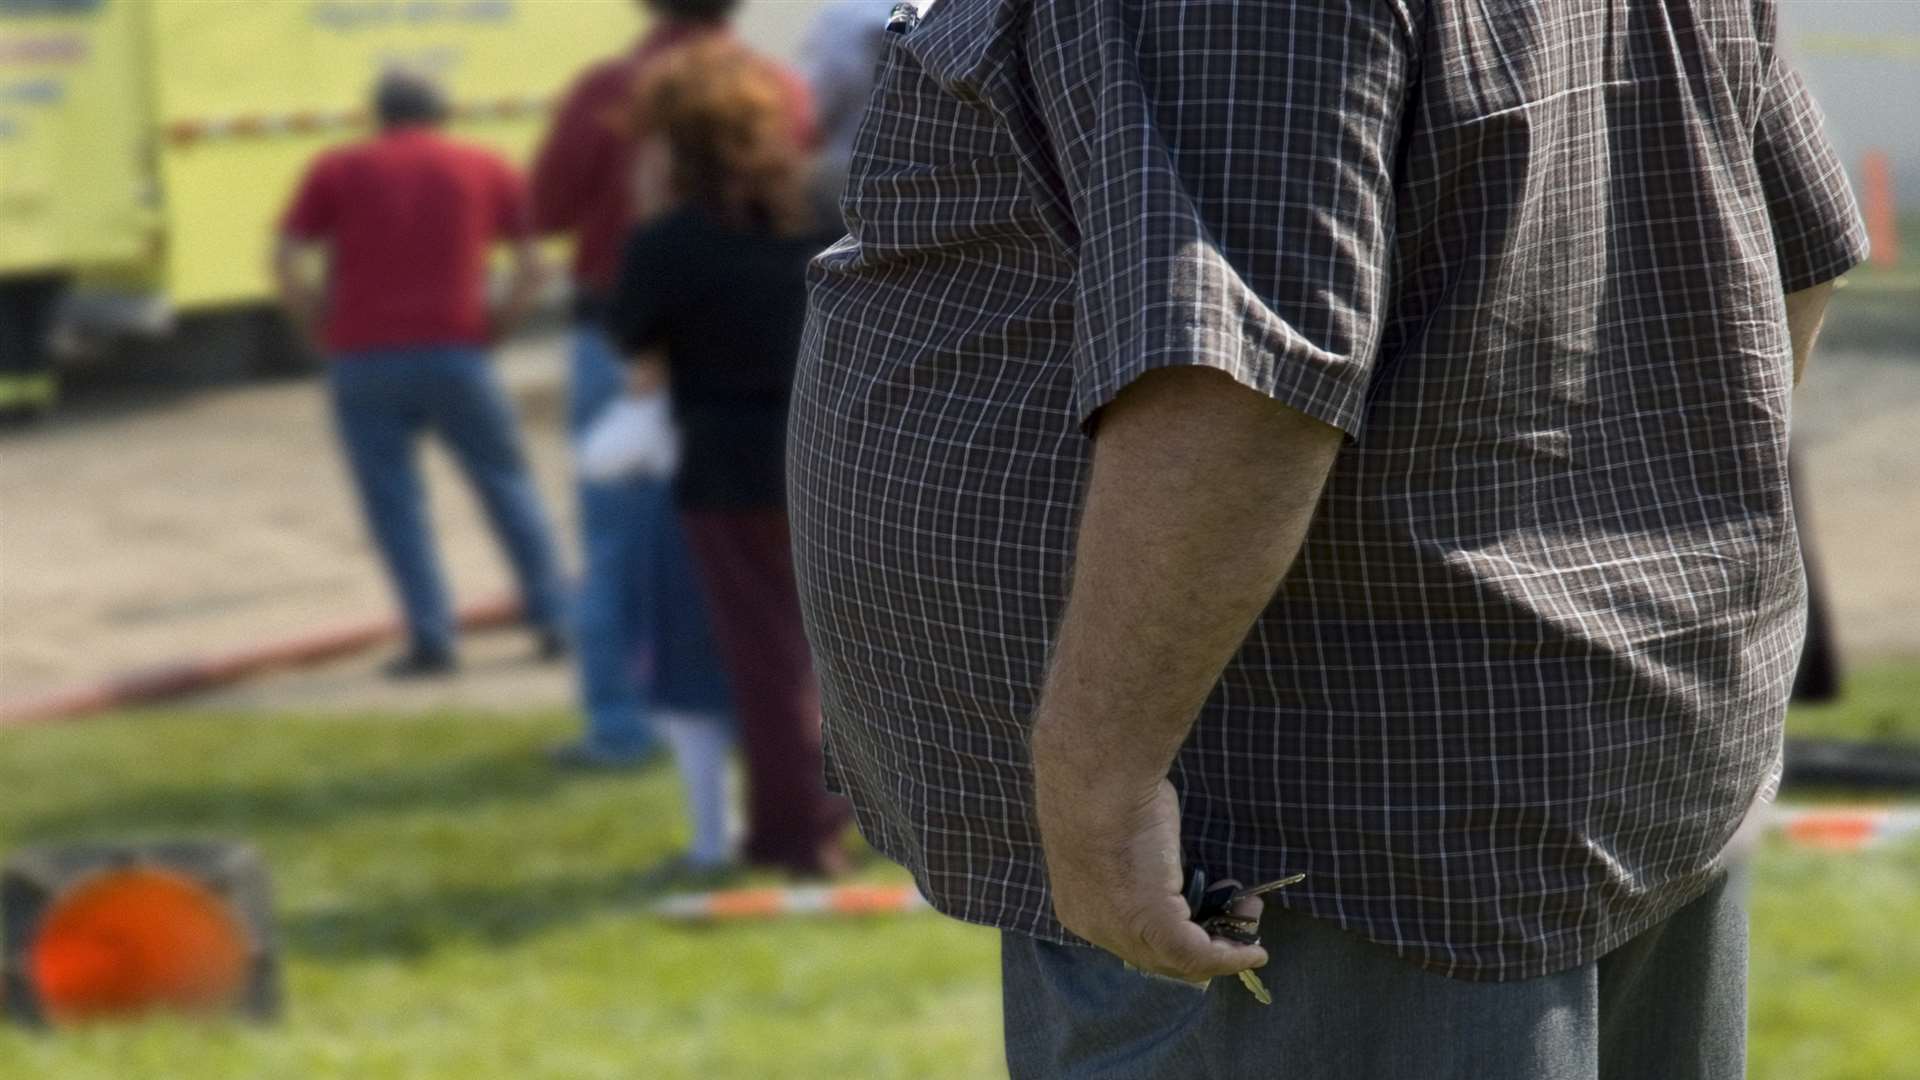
(645, 657)
(644, 649)
(710, 300)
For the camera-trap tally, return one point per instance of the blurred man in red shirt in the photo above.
(407, 221)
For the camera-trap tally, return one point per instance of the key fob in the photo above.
(1208, 900)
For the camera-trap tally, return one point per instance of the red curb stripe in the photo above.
(148, 686)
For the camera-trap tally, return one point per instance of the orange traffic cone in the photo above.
(99, 933)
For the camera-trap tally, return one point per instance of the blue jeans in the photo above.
(383, 401)
(1668, 1005)
(644, 640)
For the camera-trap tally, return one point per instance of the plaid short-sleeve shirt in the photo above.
(1529, 669)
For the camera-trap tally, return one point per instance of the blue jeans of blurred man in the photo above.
(644, 642)
(383, 401)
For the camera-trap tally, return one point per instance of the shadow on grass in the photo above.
(1879, 703)
(412, 927)
(458, 785)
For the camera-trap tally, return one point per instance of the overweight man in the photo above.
(1332, 438)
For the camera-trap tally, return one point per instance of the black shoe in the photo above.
(554, 646)
(422, 664)
(21, 417)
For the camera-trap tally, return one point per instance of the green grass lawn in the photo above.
(452, 908)
(1878, 309)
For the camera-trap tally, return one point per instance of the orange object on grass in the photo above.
(132, 941)
(808, 900)
(1841, 831)
(746, 904)
(1877, 206)
(873, 899)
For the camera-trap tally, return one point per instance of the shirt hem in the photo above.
(1044, 927)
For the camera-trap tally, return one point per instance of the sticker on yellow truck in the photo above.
(247, 92)
(159, 139)
(72, 188)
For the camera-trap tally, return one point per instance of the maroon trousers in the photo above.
(746, 566)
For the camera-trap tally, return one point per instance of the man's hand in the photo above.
(1114, 861)
(307, 318)
(647, 374)
(303, 302)
(522, 293)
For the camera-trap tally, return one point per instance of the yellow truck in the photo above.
(146, 146)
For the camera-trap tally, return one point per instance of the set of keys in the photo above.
(1212, 903)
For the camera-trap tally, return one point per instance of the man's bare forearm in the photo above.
(1200, 497)
(1806, 309)
(1201, 494)
(298, 297)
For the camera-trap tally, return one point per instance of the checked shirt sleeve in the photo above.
(1229, 169)
(1817, 229)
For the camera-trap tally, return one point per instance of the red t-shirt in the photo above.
(410, 218)
(583, 174)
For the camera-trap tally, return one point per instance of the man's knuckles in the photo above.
(1172, 953)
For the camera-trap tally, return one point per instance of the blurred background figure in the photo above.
(28, 386)
(407, 220)
(643, 640)
(839, 61)
(711, 299)
(1817, 679)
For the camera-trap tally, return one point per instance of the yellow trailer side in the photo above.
(73, 185)
(246, 92)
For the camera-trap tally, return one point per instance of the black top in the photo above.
(727, 306)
